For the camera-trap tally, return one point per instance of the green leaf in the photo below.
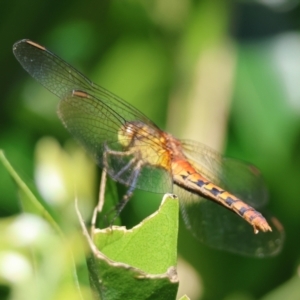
(29, 201)
(138, 263)
(155, 238)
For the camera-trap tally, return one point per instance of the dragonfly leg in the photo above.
(120, 206)
(100, 204)
(118, 153)
(125, 168)
(108, 151)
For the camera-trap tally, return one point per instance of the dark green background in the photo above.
(147, 51)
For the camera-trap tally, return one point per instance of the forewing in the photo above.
(92, 114)
(222, 229)
(61, 79)
(240, 179)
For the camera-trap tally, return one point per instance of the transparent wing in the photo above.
(61, 79)
(241, 179)
(93, 115)
(222, 229)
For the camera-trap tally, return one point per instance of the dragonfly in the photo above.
(219, 196)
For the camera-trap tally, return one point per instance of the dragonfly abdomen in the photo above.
(187, 177)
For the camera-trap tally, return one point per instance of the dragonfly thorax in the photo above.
(135, 132)
(146, 143)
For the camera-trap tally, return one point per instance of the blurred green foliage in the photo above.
(220, 72)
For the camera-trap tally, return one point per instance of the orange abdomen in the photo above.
(185, 176)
